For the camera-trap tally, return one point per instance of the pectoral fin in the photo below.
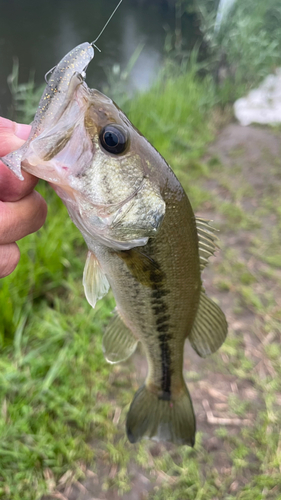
(209, 328)
(118, 341)
(94, 280)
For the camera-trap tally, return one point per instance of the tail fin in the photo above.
(162, 420)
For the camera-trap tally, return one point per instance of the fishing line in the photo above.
(94, 41)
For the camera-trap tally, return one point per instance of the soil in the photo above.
(210, 382)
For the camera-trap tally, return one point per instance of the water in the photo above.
(40, 33)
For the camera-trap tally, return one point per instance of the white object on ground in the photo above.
(261, 105)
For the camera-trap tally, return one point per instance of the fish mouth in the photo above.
(54, 101)
(64, 152)
(64, 149)
(61, 147)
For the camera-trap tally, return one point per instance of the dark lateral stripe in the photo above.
(163, 328)
(165, 365)
(144, 269)
(156, 277)
(163, 319)
(160, 308)
(159, 293)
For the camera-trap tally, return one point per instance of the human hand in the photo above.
(22, 210)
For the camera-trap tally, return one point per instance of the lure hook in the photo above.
(48, 72)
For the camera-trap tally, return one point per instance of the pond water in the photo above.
(40, 33)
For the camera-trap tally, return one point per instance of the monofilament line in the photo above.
(94, 41)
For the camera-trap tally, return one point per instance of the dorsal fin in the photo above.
(207, 240)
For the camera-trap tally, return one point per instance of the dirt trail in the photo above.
(250, 157)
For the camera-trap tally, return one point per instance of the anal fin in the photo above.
(118, 341)
(209, 328)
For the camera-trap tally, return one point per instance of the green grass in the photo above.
(52, 368)
(245, 49)
(55, 387)
(63, 408)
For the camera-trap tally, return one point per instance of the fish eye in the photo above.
(113, 139)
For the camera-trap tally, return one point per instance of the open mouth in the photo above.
(56, 99)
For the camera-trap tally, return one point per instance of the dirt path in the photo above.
(230, 390)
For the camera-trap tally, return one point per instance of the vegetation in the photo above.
(63, 408)
(247, 46)
(239, 49)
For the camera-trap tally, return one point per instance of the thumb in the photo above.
(12, 135)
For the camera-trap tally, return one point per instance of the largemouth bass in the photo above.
(143, 239)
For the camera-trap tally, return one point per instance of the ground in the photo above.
(237, 391)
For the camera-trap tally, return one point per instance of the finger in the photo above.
(11, 188)
(12, 136)
(9, 258)
(22, 130)
(22, 217)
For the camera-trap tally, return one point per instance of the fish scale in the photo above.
(164, 357)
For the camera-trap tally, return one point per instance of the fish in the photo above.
(143, 241)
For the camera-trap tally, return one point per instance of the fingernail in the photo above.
(18, 129)
(22, 131)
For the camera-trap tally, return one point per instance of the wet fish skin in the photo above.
(156, 296)
(144, 241)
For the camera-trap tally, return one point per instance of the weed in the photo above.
(63, 408)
